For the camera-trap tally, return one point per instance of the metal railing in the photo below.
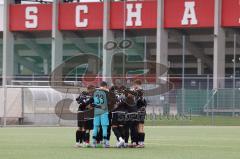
(39, 104)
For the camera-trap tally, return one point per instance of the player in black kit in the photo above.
(85, 117)
(118, 115)
(141, 109)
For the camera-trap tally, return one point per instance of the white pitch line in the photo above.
(177, 145)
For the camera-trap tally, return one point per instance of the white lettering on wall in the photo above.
(79, 22)
(189, 14)
(31, 17)
(134, 14)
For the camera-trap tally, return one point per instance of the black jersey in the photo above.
(85, 114)
(120, 98)
(84, 99)
(140, 100)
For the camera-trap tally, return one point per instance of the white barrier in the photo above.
(13, 103)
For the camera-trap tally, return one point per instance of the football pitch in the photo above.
(163, 142)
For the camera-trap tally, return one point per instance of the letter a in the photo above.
(189, 14)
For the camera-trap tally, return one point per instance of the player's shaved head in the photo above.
(103, 84)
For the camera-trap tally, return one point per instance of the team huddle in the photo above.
(118, 108)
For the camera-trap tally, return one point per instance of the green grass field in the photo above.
(186, 142)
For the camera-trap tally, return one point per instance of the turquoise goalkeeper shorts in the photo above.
(102, 119)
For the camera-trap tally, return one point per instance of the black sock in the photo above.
(126, 135)
(99, 136)
(141, 137)
(122, 131)
(87, 137)
(78, 136)
(134, 133)
(109, 133)
(83, 136)
(116, 133)
(95, 138)
(138, 137)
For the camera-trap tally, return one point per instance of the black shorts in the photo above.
(131, 117)
(80, 119)
(141, 116)
(88, 125)
(85, 119)
(88, 118)
(118, 118)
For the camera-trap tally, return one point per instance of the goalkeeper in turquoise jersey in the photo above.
(102, 100)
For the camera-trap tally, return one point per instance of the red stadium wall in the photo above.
(148, 14)
(84, 16)
(31, 17)
(231, 13)
(138, 15)
(202, 11)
